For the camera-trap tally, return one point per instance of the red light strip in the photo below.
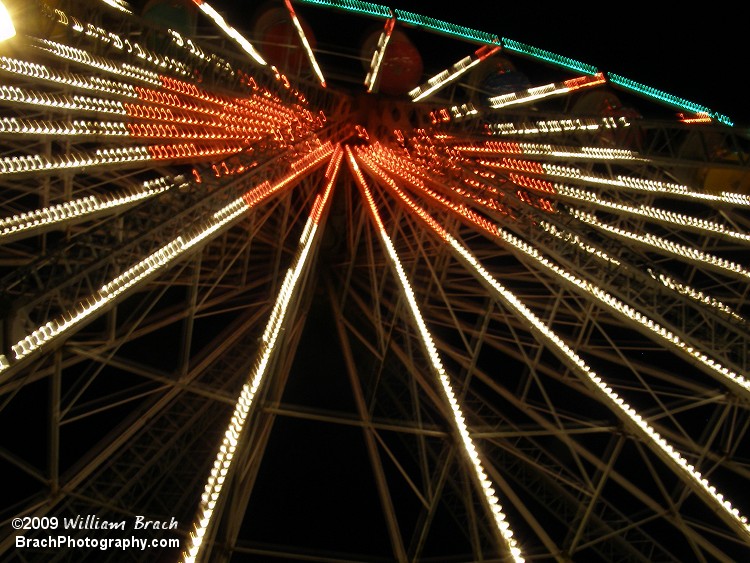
(261, 110)
(459, 208)
(415, 175)
(585, 81)
(533, 183)
(321, 199)
(698, 118)
(190, 150)
(486, 51)
(515, 164)
(300, 168)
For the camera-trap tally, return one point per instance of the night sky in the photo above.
(698, 57)
(695, 57)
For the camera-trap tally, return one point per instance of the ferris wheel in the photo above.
(332, 281)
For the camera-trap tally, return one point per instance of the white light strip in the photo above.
(17, 126)
(306, 44)
(45, 73)
(662, 216)
(120, 284)
(157, 260)
(56, 101)
(627, 182)
(223, 461)
(226, 113)
(526, 96)
(678, 250)
(665, 280)
(106, 294)
(113, 156)
(464, 110)
(486, 485)
(448, 75)
(40, 162)
(189, 47)
(83, 57)
(539, 92)
(679, 189)
(575, 240)
(622, 409)
(234, 123)
(659, 215)
(630, 313)
(544, 127)
(513, 148)
(230, 31)
(125, 45)
(22, 223)
(696, 295)
(371, 79)
(119, 5)
(739, 382)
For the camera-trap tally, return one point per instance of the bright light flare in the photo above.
(7, 29)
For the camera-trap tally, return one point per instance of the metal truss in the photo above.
(587, 300)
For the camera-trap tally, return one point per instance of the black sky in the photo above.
(698, 57)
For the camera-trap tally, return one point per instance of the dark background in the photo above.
(699, 56)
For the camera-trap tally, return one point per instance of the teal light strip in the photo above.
(559, 60)
(352, 6)
(446, 27)
(667, 98)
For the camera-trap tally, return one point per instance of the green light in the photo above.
(446, 27)
(720, 117)
(353, 6)
(667, 98)
(559, 60)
